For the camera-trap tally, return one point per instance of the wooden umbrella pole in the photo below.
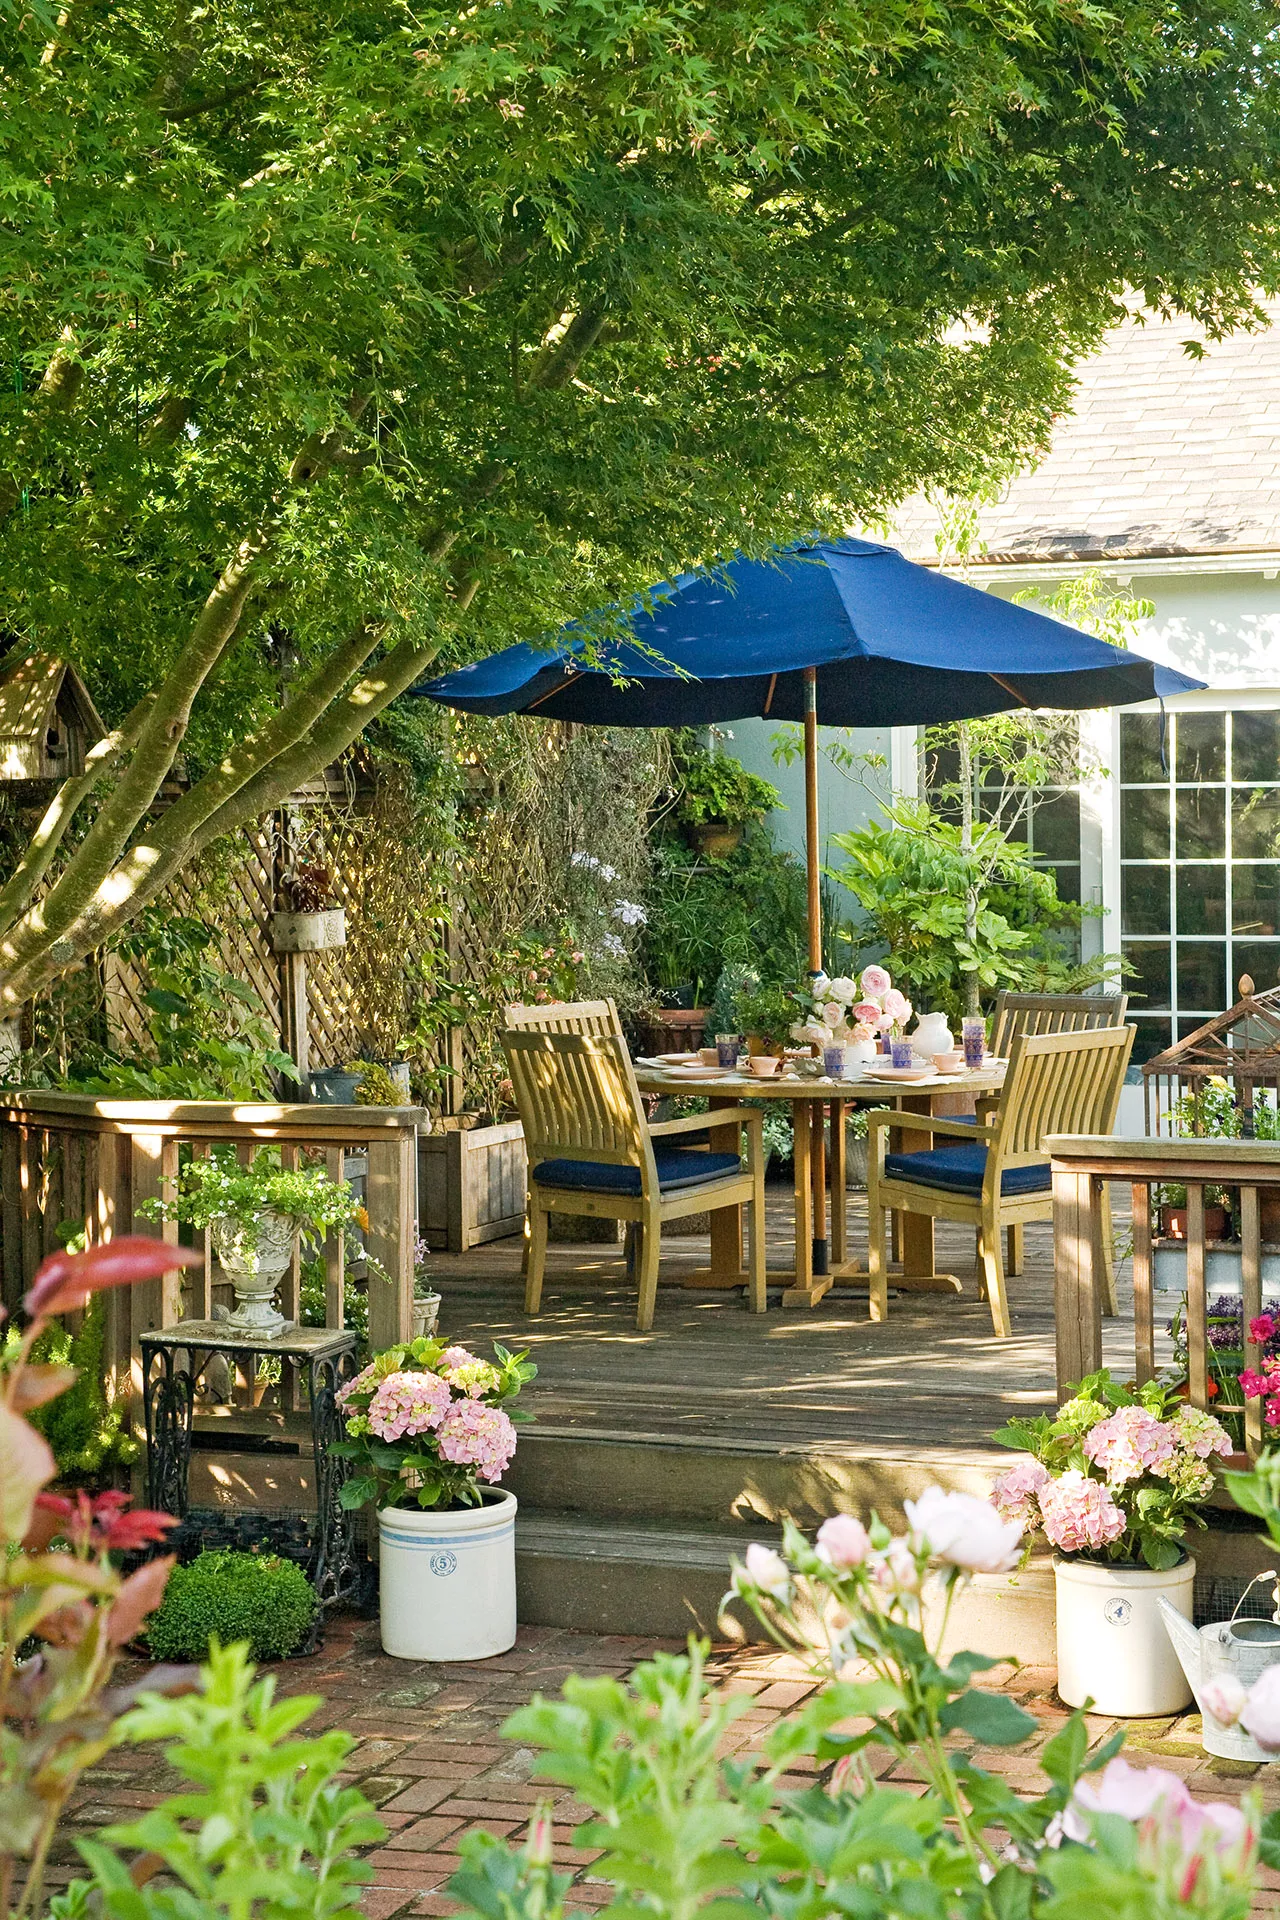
(818, 1157)
(811, 816)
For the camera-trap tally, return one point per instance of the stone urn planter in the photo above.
(425, 1308)
(255, 1259)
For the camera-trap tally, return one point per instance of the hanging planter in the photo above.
(309, 932)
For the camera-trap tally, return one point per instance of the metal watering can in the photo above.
(1243, 1648)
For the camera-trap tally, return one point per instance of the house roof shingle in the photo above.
(1163, 454)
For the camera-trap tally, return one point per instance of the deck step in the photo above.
(676, 1480)
(604, 1576)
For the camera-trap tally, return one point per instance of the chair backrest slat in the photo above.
(597, 1017)
(1053, 1013)
(577, 1097)
(1060, 1083)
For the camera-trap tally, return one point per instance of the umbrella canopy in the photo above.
(845, 633)
(881, 642)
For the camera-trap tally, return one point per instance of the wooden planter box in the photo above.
(471, 1184)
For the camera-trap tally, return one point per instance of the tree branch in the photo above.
(58, 389)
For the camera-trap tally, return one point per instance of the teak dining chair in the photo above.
(1056, 1013)
(996, 1174)
(591, 1151)
(567, 1016)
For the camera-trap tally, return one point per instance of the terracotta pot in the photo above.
(715, 838)
(673, 1030)
(1173, 1223)
(1269, 1215)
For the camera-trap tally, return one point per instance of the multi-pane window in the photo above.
(1047, 820)
(1199, 865)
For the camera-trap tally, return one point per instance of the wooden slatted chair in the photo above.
(996, 1174)
(1057, 1013)
(591, 1151)
(567, 1016)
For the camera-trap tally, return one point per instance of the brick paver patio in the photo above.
(430, 1756)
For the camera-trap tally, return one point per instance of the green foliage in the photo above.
(376, 1088)
(210, 1037)
(263, 1827)
(84, 1426)
(225, 1597)
(748, 910)
(219, 1188)
(716, 786)
(733, 982)
(312, 1308)
(768, 1014)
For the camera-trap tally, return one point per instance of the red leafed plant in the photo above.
(65, 1608)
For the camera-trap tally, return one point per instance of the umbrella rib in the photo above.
(1012, 691)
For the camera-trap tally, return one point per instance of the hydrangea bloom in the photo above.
(1015, 1494)
(1079, 1513)
(359, 1384)
(1129, 1443)
(408, 1403)
(1199, 1433)
(473, 1435)
(457, 1357)
(475, 1379)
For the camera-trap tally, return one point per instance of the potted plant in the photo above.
(430, 1435)
(311, 920)
(1173, 1212)
(718, 799)
(1113, 1481)
(766, 1015)
(426, 1301)
(253, 1215)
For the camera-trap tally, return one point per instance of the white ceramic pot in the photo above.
(254, 1261)
(1113, 1647)
(448, 1580)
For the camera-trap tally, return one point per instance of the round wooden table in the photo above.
(821, 1263)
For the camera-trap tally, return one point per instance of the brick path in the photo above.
(430, 1755)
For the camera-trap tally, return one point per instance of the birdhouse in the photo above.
(1240, 1047)
(47, 720)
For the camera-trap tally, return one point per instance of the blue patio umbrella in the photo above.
(845, 633)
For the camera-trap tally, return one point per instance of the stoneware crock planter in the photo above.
(254, 1262)
(448, 1580)
(1113, 1647)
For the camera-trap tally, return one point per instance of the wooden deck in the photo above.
(933, 1377)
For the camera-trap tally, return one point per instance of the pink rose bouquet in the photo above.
(1118, 1475)
(428, 1425)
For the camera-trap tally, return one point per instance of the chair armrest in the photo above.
(925, 1123)
(700, 1122)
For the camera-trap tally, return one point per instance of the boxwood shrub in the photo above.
(228, 1596)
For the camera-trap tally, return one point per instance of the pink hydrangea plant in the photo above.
(409, 1403)
(1129, 1443)
(1016, 1493)
(1078, 1514)
(473, 1435)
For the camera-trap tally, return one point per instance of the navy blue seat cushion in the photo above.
(675, 1169)
(959, 1169)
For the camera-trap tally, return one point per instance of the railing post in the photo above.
(393, 1170)
(1075, 1292)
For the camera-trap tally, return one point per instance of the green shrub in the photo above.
(84, 1426)
(230, 1597)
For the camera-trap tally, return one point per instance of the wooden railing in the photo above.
(1081, 1166)
(70, 1158)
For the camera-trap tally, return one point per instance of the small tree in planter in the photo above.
(1113, 1482)
(430, 1433)
(253, 1214)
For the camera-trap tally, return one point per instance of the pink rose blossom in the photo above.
(1129, 1443)
(768, 1570)
(875, 982)
(473, 1435)
(1079, 1514)
(964, 1531)
(1260, 1714)
(897, 1005)
(1164, 1811)
(1223, 1698)
(895, 1570)
(408, 1403)
(1015, 1493)
(867, 1011)
(843, 1541)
